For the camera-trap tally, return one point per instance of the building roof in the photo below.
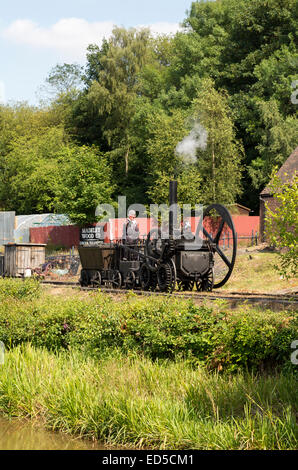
(238, 206)
(25, 244)
(286, 171)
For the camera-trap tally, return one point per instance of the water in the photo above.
(22, 435)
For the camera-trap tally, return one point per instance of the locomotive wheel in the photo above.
(223, 262)
(130, 280)
(96, 279)
(145, 276)
(153, 281)
(205, 284)
(116, 280)
(185, 285)
(166, 276)
(148, 279)
(84, 279)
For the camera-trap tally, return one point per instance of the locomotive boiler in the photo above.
(177, 261)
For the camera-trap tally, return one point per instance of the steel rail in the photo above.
(288, 299)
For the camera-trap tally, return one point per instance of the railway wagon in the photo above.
(110, 264)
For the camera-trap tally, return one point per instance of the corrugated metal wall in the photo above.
(7, 221)
(25, 222)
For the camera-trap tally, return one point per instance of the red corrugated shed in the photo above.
(69, 235)
(65, 235)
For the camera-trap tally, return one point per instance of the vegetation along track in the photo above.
(233, 298)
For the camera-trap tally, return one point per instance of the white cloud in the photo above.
(70, 36)
(2, 92)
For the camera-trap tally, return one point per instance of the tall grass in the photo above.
(149, 373)
(132, 400)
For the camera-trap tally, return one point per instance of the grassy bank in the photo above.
(154, 372)
(158, 328)
(254, 272)
(123, 399)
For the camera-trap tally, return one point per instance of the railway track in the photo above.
(233, 298)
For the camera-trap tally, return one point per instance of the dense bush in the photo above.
(19, 288)
(156, 328)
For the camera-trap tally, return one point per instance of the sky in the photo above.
(35, 35)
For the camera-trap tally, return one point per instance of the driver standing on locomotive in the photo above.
(131, 233)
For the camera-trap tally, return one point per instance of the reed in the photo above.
(128, 399)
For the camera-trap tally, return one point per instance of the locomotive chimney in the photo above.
(173, 207)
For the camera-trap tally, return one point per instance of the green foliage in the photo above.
(278, 139)
(19, 289)
(31, 174)
(254, 57)
(189, 187)
(220, 164)
(43, 172)
(158, 329)
(130, 400)
(64, 78)
(281, 224)
(232, 68)
(112, 84)
(85, 183)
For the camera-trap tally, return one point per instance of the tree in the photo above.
(112, 80)
(64, 78)
(249, 49)
(276, 141)
(30, 172)
(219, 164)
(282, 224)
(85, 182)
(166, 131)
(189, 187)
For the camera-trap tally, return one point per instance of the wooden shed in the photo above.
(21, 256)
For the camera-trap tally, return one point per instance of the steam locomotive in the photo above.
(165, 264)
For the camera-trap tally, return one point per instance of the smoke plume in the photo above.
(196, 139)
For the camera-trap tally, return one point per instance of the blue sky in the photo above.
(36, 35)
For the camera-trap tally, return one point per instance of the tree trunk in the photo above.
(126, 161)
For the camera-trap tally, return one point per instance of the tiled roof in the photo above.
(286, 172)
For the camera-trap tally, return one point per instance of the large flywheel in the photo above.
(219, 231)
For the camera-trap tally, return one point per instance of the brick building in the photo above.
(286, 174)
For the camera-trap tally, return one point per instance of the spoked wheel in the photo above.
(185, 285)
(148, 279)
(84, 279)
(130, 280)
(219, 233)
(206, 283)
(166, 276)
(96, 279)
(116, 280)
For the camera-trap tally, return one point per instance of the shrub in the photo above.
(19, 288)
(164, 328)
